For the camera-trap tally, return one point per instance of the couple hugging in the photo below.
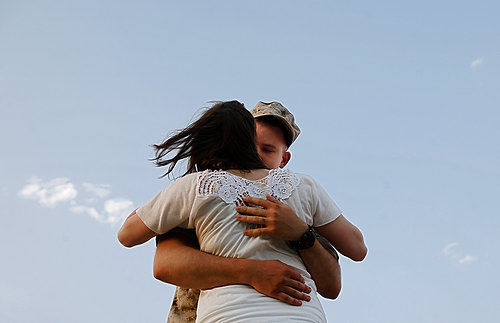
(264, 238)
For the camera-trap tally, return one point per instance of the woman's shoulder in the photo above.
(304, 183)
(288, 175)
(306, 179)
(185, 181)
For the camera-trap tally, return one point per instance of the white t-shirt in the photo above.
(206, 201)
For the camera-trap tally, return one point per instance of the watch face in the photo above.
(308, 239)
(305, 242)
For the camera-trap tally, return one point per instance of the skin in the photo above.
(178, 261)
(271, 146)
(279, 219)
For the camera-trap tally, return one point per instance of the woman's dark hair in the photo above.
(222, 138)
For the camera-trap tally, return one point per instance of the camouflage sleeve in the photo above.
(184, 306)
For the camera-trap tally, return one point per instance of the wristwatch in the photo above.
(306, 240)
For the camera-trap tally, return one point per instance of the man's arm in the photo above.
(346, 238)
(324, 269)
(134, 231)
(178, 261)
(281, 222)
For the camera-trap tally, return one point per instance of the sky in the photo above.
(398, 103)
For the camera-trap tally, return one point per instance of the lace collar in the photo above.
(279, 183)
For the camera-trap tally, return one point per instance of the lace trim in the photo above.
(232, 189)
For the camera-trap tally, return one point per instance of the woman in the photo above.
(223, 168)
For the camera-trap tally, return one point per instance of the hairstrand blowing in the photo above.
(222, 138)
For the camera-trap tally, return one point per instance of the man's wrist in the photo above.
(300, 232)
(306, 241)
(246, 270)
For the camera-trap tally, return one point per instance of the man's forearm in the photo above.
(324, 269)
(179, 262)
(281, 221)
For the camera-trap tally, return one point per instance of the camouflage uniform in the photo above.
(184, 305)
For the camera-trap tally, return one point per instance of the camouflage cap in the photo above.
(278, 111)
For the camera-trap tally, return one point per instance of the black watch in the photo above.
(306, 240)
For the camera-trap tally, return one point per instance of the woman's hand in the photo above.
(277, 219)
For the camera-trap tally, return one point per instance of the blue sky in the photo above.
(398, 106)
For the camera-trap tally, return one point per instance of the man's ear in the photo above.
(285, 158)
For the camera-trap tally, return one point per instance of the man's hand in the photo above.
(178, 261)
(278, 219)
(278, 280)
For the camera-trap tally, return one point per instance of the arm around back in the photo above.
(178, 261)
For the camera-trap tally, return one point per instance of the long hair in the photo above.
(222, 138)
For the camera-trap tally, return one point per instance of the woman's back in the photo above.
(207, 202)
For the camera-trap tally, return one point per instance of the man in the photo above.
(179, 261)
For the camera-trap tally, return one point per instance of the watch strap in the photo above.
(306, 241)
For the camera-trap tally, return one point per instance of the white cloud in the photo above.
(450, 251)
(467, 259)
(475, 63)
(94, 214)
(117, 209)
(100, 190)
(59, 190)
(49, 193)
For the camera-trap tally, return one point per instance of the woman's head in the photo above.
(222, 138)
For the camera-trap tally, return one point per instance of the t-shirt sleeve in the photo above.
(323, 209)
(172, 207)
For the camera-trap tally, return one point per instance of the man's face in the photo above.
(271, 145)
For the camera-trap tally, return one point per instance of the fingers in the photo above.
(251, 219)
(292, 274)
(299, 287)
(251, 210)
(272, 199)
(292, 296)
(258, 201)
(288, 299)
(296, 294)
(255, 232)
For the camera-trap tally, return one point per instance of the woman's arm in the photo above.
(165, 211)
(134, 232)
